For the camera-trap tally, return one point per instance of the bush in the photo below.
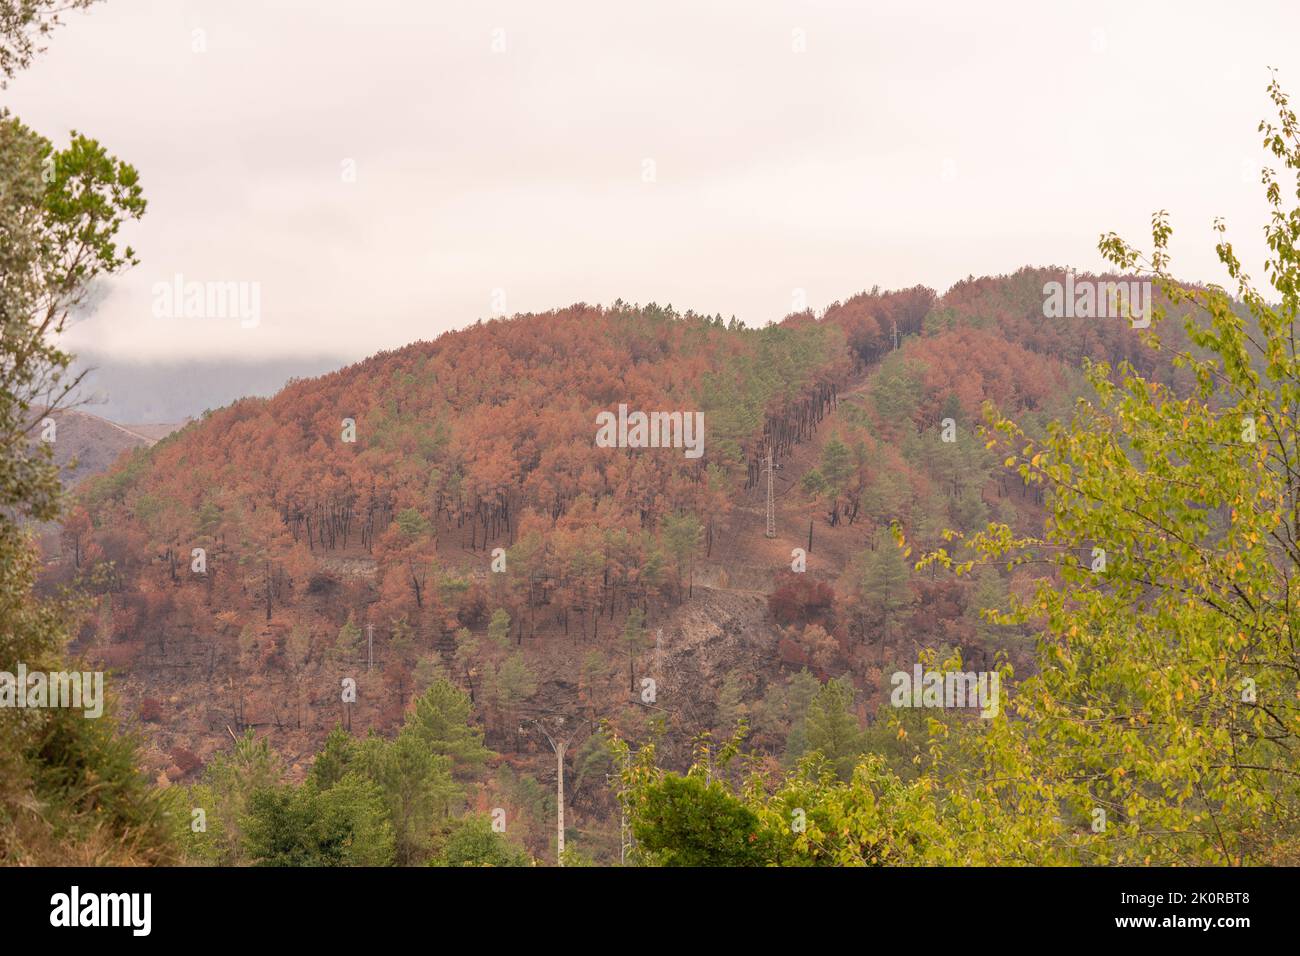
(473, 842)
(187, 760)
(799, 601)
(150, 710)
(686, 821)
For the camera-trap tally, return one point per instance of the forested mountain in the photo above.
(444, 516)
(1004, 575)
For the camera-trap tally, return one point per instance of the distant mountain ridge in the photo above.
(85, 444)
(125, 390)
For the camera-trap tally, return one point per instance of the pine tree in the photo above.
(832, 727)
(884, 587)
(443, 723)
(634, 641)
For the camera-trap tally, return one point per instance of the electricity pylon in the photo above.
(771, 500)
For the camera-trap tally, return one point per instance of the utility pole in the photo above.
(370, 646)
(771, 503)
(559, 745)
(624, 834)
(894, 324)
(559, 802)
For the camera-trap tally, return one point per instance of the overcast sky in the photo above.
(906, 143)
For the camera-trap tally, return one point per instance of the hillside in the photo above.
(453, 495)
(85, 445)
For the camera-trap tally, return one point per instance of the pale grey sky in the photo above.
(907, 143)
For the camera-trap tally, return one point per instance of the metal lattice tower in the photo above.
(771, 502)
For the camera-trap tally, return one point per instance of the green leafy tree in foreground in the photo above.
(365, 802)
(688, 820)
(346, 825)
(24, 24)
(473, 842)
(228, 783)
(70, 788)
(831, 728)
(1163, 721)
(417, 788)
(808, 817)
